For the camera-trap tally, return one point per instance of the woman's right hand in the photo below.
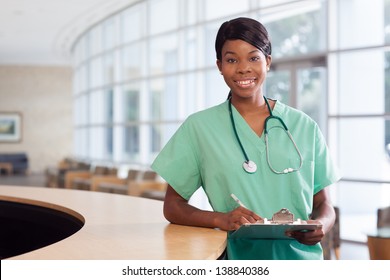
(234, 219)
(178, 211)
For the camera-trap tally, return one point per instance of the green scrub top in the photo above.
(204, 152)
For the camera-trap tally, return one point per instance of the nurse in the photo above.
(223, 150)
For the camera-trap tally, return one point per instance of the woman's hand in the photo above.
(310, 237)
(323, 213)
(234, 219)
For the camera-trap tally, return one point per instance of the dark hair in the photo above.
(246, 29)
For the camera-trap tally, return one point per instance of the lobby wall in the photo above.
(43, 96)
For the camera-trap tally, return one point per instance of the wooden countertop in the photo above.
(117, 227)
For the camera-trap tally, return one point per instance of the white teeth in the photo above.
(246, 82)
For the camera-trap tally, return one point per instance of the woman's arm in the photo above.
(323, 210)
(178, 211)
(324, 213)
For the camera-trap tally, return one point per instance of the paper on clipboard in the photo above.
(282, 221)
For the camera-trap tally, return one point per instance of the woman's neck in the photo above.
(250, 106)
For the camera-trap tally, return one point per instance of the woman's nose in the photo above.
(243, 67)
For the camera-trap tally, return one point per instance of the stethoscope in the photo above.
(249, 165)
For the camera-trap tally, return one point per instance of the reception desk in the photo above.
(116, 227)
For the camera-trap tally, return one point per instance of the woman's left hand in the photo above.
(311, 237)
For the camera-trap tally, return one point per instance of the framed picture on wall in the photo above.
(10, 127)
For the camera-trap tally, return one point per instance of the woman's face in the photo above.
(244, 68)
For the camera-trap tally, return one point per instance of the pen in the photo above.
(237, 200)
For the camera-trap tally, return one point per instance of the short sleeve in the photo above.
(325, 172)
(177, 162)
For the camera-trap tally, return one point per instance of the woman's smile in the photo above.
(247, 83)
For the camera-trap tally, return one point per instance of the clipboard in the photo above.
(282, 221)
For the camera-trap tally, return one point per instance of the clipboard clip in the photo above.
(283, 216)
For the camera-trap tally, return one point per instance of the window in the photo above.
(296, 28)
(164, 16)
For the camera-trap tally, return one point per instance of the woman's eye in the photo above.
(256, 58)
(231, 60)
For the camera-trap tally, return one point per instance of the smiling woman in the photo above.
(208, 154)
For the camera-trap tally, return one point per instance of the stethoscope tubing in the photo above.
(285, 129)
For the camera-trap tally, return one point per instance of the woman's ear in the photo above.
(268, 60)
(219, 65)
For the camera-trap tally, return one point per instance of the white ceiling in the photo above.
(42, 32)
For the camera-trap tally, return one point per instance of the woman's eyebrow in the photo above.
(228, 52)
(233, 53)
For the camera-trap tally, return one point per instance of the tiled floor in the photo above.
(348, 250)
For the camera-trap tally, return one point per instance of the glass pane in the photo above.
(364, 32)
(109, 143)
(160, 135)
(210, 33)
(133, 64)
(164, 55)
(96, 143)
(298, 28)
(366, 158)
(169, 102)
(223, 8)
(387, 82)
(108, 68)
(191, 60)
(156, 90)
(164, 99)
(216, 91)
(101, 143)
(110, 33)
(311, 93)
(131, 102)
(83, 78)
(387, 101)
(156, 138)
(277, 85)
(191, 94)
(164, 15)
(367, 96)
(387, 138)
(191, 14)
(387, 20)
(96, 107)
(81, 110)
(108, 105)
(81, 142)
(133, 23)
(96, 72)
(132, 143)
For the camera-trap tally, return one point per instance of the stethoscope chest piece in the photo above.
(249, 166)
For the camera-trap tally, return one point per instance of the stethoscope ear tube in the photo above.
(276, 118)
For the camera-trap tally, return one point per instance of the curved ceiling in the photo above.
(42, 32)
